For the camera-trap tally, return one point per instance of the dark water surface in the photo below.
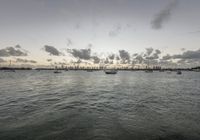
(79, 105)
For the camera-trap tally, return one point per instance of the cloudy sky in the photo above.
(43, 31)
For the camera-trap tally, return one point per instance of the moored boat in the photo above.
(179, 72)
(148, 70)
(56, 71)
(110, 71)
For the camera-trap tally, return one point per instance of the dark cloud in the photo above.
(84, 54)
(149, 51)
(18, 46)
(111, 56)
(19, 60)
(188, 55)
(117, 57)
(52, 50)
(125, 56)
(163, 16)
(106, 61)
(155, 55)
(135, 54)
(13, 51)
(139, 59)
(167, 57)
(96, 59)
(150, 56)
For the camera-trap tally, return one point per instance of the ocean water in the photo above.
(79, 105)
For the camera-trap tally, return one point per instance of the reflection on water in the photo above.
(79, 105)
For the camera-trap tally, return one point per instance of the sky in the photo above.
(43, 32)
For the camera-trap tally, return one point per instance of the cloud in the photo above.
(69, 42)
(84, 54)
(155, 55)
(149, 51)
(188, 55)
(52, 50)
(106, 61)
(115, 31)
(187, 58)
(90, 45)
(2, 60)
(96, 59)
(125, 56)
(18, 46)
(139, 59)
(12, 51)
(167, 57)
(49, 60)
(163, 16)
(111, 56)
(183, 49)
(117, 58)
(19, 60)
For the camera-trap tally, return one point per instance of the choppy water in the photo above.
(78, 105)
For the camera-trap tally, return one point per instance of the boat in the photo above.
(110, 71)
(148, 70)
(56, 71)
(179, 72)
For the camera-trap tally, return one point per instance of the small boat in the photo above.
(179, 72)
(56, 71)
(110, 71)
(148, 70)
